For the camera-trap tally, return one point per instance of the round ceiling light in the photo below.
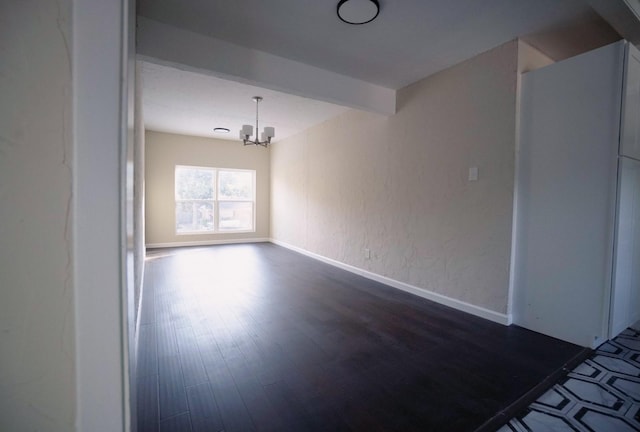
(358, 11)
(221, 130)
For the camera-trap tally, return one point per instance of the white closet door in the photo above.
(625, 301)
(566, 196)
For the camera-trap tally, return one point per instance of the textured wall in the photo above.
(164, 151)
(398, 185)
(37, 364)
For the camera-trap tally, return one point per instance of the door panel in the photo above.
(625, 301)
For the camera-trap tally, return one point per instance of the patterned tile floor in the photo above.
(602, 394)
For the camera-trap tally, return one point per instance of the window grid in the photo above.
(227, 213)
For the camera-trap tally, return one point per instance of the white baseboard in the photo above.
(206, 243)
(421, 292)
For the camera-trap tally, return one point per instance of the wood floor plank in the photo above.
(263, 414)
(287, 407)
(147, 351)
(205, 415)
(233, 410)
(167, 344)
(200, 326)
(147, 394)
(179, 423)
(190, 359)
(235, 416)
(173, 399)
(256, 337)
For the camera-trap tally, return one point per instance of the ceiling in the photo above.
(409, 40)
(189, 103)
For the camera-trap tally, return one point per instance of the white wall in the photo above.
(164, 151)
(61, 339)
(398, 185)
(101, 41)
(37, 350)
(138, 185)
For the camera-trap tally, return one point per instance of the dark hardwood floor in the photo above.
(256, 337)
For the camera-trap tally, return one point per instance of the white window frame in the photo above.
(216, 201)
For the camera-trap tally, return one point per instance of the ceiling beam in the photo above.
(172, 46)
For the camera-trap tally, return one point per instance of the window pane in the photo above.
(194, 216)
(194, 183)
(235, 185)
(235, 216)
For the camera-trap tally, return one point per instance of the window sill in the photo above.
(201, 233)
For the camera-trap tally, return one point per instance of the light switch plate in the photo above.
(473, 174)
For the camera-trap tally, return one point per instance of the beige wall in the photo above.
(37, 358)
(398, 185)
(164, 151)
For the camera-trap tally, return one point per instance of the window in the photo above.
(195, 199)
(214, 200)
(235, 200)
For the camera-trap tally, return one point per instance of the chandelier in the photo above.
(247, 131)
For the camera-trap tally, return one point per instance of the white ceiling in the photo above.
(189, 103)
(409, 40)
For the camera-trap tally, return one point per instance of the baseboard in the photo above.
(205, 243)
(421, 292)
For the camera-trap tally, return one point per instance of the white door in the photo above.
(625, 298)
(566, 190)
